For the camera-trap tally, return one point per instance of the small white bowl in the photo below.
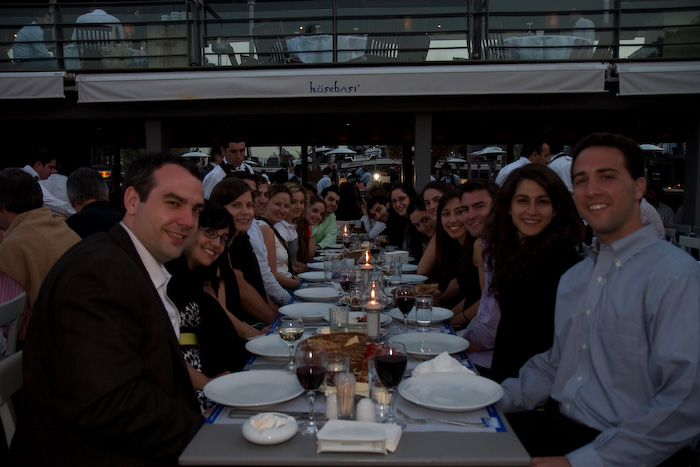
(272, 435)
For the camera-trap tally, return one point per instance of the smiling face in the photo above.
(531, 208)
(476, 206)
(332, 199)
(202, 250)
(422, 222)
(605, 193)
(315, 213)
(400, 200)
(261, 199)
(431, 197)
(296, 208)
(380, 212)
(243, 211)
(277, 208)
(169, 216)
(451, 219)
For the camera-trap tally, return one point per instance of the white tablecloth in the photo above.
(319, 48)
(547, 47)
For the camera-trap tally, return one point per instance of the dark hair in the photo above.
(84, 184)
(230, 189)
(477, 184)
(448, 250)
(215, 216)
(377, 200)
(508, 257)
(281, 176)
(416, 204)
(231, 138)
(245, 175)
(140, 173)
(349, 207)
(327, 170)
(277, 188)
(328, 189)
(532, 145)
(415, 239)
(437, 185)
(19, 191)
(40, 154)
(634, 158)
(302, 225)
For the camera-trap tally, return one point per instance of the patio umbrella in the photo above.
(195, 155)
(650, 148)
(341, 151)
(489, 151)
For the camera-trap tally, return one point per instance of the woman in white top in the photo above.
(287, 228)
(277, 209)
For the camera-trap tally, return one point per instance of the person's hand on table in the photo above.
(550, 462)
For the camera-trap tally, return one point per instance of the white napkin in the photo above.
(353, 436)
(443, 363)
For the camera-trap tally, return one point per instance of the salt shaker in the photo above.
(365, 411)
(332, 406)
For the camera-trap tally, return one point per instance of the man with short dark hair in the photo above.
(325, 181)
(41, 165)
(621, 382)
(105, 382)
(534, 151)
(324, 234)
(233, 152)
(88, 193)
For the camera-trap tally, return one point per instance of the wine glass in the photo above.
(290, 329)
(390, 363)
(345, 278)
(389, 268)
(405, 296)
(310, 360)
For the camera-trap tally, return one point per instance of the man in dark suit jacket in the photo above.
(88, 193)
(104, 380)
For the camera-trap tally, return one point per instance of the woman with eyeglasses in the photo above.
(210, 336)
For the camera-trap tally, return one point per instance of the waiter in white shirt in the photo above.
(233, 150)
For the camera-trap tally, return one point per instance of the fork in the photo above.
(421, 421)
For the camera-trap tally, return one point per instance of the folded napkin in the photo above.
(443, 363)
(352, 436)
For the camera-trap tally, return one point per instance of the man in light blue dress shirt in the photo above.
(621, 383)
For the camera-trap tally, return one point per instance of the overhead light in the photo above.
(376, 177)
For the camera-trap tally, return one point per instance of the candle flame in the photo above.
(372, 294)
(366, 256)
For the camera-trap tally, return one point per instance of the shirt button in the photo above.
(579, 379)
(600, 279)
(618, 263)
(584, 346)
(588, 312)
(567, 407)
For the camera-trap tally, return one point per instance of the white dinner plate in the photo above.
(353, 317)
(306, 311)
(450, 392)
(317, 294)
(439, 314)
(271, 346)
(254, 388)
(409, 279)
(313, 276)
(405, 267)
(426, 345)
(317, 266)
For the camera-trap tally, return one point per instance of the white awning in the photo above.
(659, 78)
(32, 85)
(344, 82)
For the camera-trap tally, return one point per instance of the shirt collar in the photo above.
(31, 171)
(156, 271)
(626, 247)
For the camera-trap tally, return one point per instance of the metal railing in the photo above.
(256, 33)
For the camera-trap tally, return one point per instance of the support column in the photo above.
(156, 139)
(423, 144)
(691, 193)
(407, 172)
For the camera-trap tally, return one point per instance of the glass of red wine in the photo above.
(345, 279)
(390, 364)
(310, 361)
(405, 296)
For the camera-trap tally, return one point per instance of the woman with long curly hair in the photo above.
(312, 216)
(533, 235)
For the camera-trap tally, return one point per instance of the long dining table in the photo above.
(220, 441)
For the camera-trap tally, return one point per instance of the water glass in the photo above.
(338, 317)
(424, 312)
(337, 362)
(328, 269)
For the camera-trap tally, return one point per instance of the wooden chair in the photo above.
(493, 48)
(10, 383)
(270, 45)
(10, 312)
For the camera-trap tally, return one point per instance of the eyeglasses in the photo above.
(211, 233)
(399, 199)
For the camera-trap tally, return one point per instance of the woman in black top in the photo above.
(532, 239)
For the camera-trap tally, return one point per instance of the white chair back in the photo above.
(10, 383)
(10, 312)
(681, 228)
(689, 243)
(671, 234)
